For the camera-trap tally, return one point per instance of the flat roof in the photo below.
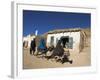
(64, 30)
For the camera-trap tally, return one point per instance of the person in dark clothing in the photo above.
(58, 51)
(32, 46)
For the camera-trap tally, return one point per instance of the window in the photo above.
(57, 40)
(52, 41)
(70, 45)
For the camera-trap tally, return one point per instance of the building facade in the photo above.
(27, 40)
(72, 39)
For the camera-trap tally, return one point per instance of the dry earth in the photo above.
(79, 59)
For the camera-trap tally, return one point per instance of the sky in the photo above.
(45, 21)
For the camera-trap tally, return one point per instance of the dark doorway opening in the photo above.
(65, 40)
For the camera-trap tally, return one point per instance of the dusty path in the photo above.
(79, 59)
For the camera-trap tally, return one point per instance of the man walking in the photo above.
(32, 46)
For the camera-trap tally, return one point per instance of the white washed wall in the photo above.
(76, 41)
(29, 39)
(75, 35)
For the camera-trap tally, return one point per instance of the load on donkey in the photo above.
(59, 53)
(56, 53)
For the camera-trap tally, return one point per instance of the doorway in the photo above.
(67, 42)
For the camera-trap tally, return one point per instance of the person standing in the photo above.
(32, 46)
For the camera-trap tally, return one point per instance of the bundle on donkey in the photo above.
(41, 49)
(59, 54)
(58, 51)
(65, 58)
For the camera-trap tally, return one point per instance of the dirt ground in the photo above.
(79, 59)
